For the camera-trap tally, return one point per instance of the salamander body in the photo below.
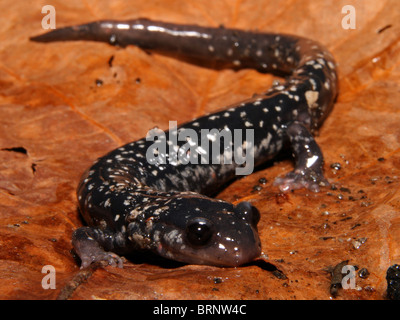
(163, 202)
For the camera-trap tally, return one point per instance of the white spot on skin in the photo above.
(311, 161)
(311, 97)
(313, 84)
(107, 203)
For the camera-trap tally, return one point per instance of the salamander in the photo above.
(164, 203)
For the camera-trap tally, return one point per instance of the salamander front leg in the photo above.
(90, 244)
(308, 161)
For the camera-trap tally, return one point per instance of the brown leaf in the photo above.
(55, 120)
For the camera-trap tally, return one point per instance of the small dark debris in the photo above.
(138, 80)
(336, 166)
(327, 238)
(268, 267)
(388, 180)
(384, 28)
(279, 274)
(99, 82)
(217, 280)
(110, 61)
(262, 180)
(393, 282)
(363, 273)
(381, 159)
(257, 188)
(369, 289)
(355, 226)
(345, 190)
(16, 149)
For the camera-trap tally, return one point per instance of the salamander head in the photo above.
(208, 231)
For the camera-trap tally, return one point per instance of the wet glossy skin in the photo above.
(132, 204)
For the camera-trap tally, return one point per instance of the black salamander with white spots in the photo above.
(130, 203)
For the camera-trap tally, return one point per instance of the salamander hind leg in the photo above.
(308, 172)
(90, 244)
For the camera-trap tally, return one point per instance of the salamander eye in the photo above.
(199, 232)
